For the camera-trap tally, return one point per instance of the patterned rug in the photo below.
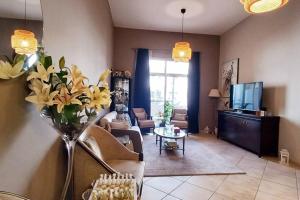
(204, 154)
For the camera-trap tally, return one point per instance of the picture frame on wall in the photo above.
(230, 76)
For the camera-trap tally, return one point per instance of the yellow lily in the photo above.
(77, 79)
(41, 95)
(98, 98)
(104, 75)
(8, 71)
(41, 73)
(64, 98)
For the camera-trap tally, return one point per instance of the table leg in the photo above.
(160, 144)
(183, 145)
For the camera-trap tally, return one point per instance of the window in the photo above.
(168, 82)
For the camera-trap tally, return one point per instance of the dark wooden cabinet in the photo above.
(256, 134)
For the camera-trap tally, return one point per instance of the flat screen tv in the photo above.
(246, 96)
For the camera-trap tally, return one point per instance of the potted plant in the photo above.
(168, 108)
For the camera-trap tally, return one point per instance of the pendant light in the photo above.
(24, 41)
(262, 6)
(182, 51)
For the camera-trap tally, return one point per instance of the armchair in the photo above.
(143, 121)
(180, 119)
(100, 152)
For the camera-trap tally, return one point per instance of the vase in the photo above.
(70, 133)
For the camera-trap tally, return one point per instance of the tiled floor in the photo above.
(265, 180)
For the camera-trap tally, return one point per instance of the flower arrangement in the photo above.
(64, 95)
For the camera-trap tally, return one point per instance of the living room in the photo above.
(138, 37)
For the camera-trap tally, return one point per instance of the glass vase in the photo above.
(69, 132)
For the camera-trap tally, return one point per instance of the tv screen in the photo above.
(246, 96)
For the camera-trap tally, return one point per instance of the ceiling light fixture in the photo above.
(24, 41)
(182, 51)
(262, 6)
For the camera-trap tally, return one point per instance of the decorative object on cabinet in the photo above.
(67, 101)
(256, 134)
(121, 84)
(230, 73)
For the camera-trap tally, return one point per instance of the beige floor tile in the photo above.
(253, 166)
(217, 196)
(239, 187)
(298, 182)
(277, 176)
(283, 170)
(210, 182)
(190, 192)
(181, 178)
(164, 184)
(298, 173)
(278, 190)
(170, 198)
(150, 193)
(265, 196)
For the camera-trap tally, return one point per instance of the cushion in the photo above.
(123, 125)
(136, 168)
(180, 124)
(141, 115)
(93, 145)
(179, 117)
(146, 124)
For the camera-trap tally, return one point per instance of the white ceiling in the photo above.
(203, 16)
(16, 9)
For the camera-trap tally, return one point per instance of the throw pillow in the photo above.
(141, 116)
(123, 125)
(180, 117)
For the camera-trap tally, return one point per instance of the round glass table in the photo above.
(167, 133)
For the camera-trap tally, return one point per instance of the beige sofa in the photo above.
(99, 152)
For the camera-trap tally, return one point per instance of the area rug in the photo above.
(204, 155)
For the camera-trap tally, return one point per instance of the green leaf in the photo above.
(61, 75)
(19, 58)
(48, 62)
(70, 113)
(62, 62)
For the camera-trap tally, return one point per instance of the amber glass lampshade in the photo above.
(24, 42)
(182, 52)
(262, 6)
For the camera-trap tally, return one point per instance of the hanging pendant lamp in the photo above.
(262, 6)
(182, 51)
(24, 41)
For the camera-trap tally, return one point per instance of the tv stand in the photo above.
(254, 133)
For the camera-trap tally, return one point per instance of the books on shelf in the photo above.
(170, 144)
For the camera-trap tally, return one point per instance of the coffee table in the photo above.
(164, 133)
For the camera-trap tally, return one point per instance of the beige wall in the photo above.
(32, 158)
(7, 27)
(269, 51)
(127, 39)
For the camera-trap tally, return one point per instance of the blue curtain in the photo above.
(141, 91)
(193, 93)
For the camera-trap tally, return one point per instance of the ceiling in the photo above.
(203, 16)
(16, 9)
